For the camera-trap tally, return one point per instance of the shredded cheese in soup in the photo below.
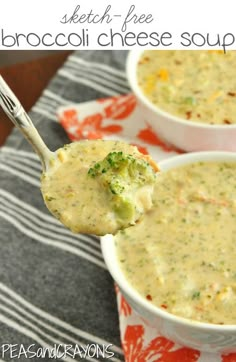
(98, 186)
(195, 85)
(182, 255)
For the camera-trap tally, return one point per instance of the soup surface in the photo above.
(99, 186)
(181, 255)
(194, 85)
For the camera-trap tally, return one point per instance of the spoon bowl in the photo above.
(92, 186)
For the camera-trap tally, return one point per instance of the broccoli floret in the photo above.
(122, 175)
(119, 172)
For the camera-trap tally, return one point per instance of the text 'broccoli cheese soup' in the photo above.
(195, 85)
(181, 255)
(98, 186)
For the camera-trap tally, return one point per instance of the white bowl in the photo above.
(194, 334)
(186, 135)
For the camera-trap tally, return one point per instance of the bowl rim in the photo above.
(110, 257)
(131, 65)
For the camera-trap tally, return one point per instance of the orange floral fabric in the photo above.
(160, 349)
(111, 116)
(148, 135)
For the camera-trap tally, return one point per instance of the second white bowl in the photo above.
(202, 336)
(186, 135)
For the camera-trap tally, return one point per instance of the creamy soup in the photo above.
(181, 255)
(99, 186)
(195, 85)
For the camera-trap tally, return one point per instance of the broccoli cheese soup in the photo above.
(99, 186)
(195, 85)
(181, 255)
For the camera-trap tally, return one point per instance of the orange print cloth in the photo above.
(119, 118)
(113, 118)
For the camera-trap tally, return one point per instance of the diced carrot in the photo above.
(163, 74)
(199, 308)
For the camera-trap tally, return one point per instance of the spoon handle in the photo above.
(14, 110)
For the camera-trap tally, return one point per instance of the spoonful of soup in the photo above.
(91, 186)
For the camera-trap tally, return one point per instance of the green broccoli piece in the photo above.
(122, 175)
(120, 171)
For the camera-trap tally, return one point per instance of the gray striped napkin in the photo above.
(55, 291)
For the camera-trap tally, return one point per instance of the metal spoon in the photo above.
(14, 110)
(62, 206)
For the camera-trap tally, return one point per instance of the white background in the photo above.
(173, 16)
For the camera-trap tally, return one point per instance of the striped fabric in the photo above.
(54, 286)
